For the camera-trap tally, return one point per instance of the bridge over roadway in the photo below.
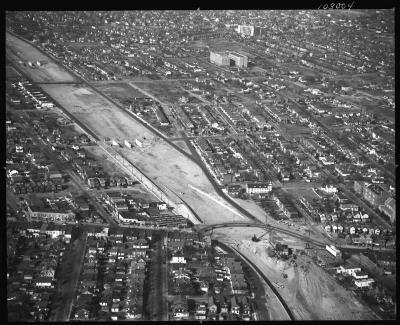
(206, 228)
(202, 228)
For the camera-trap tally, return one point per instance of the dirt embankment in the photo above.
(310, 292)
(48, 71)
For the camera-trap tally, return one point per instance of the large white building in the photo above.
(348, 270)
(364, 282)
(224, 58)
(333, 250)
(245, 30)
(239, 59)
(258, 188)
(219, 58)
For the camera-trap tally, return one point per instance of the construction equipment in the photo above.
(268, 230)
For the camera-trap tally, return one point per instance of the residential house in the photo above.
(235, 309)
(180, 310)
(212, 307)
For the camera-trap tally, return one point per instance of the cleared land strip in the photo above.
(180, 206)
(100, 114)
(212, 198)
(19, 50)
(154, 130)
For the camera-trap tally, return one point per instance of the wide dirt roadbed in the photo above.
(49, 71)
(156, 159)
(100, 115)
(309, 291)
(178, 175)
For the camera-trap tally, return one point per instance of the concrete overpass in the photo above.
(202, 228)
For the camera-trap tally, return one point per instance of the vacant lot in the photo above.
(168, 92)
(109, 166)
(120, 91)
(182, 145)
(308, 194)
(310, 292)
(18, 50)
(221, 44)
(295, 130)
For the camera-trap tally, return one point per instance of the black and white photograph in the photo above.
(200, 165)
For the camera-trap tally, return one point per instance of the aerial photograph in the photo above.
(200, 165)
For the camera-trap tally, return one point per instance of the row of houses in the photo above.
(118, 257)
(36, 256)
(27, 169)
(222, 289)
(34, 93)
(360, 279)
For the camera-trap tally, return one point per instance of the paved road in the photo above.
(68, 289)
(157, 296)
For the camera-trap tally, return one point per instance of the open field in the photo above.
(18, 50)
(253, 208)
(221, 44)
(120, 91)
(168, 92)
(309, 194)
(330, 122)
(294, 130)
(181, 144)
(309, 291)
